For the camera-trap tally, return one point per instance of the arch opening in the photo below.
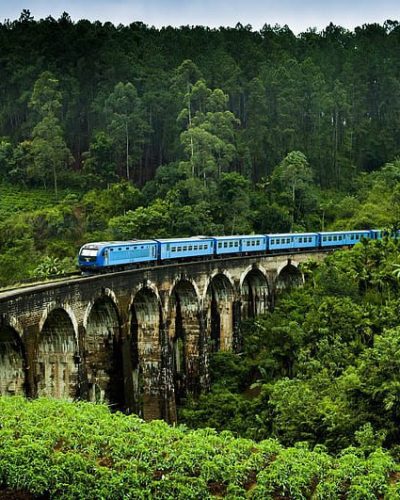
(145, 351)
(12, 362)
(220, 298)
(289, 277)
(103, 353)
(255, 294)
(57, 357)
(185, 338)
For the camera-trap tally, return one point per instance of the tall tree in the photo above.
(294, 178)
(48, 147)
(126, 124)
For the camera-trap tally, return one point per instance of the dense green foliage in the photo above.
(137, 132)
(37, 229)
(81, 450)
(324, 366)
(107, 101)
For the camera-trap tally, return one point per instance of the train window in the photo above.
(329, 238)
(300, 240)
(190, 248)
(287, 240)
(272, 242)
(219, 244)
(278, 241)
(258, 242)
(236, 243)
(335, 238)
(173, 249)
(340, 238)
(225, 244)
(179, 249)
(184, 248)
(253, 243)
(195, 247)
(230, 244)
(111, 249)
(205, 247)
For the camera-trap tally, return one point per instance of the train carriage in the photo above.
(377, 234)
(292, 241)
(341, 238)
(180, 248)
(116, 253)
(227, 244)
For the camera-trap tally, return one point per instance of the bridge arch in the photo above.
(219, 307)
(65, 307)
(288, 275)
(255, 291)
(12, 360)
(184, 320)
(103, 350)
(57, 354)
(145, 350)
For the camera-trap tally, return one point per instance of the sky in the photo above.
(297, 14)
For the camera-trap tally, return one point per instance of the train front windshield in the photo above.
(88, 253)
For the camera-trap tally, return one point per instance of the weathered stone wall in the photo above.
(138, 339)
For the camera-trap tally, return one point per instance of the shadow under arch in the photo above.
(57, 357)
(145, 351)
(12, 362)
(255, 293)
(289, 276)
(185, 337)
(103, 353)
(220, 296)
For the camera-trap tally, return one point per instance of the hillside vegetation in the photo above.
(82, 451)
(135, 132)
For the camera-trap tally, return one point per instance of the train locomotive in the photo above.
(110, 256)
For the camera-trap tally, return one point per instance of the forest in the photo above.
(110, 132)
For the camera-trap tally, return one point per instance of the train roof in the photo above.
(189, 239)
(239, 236)
(349, 231)
(286, 235)
(118, 243)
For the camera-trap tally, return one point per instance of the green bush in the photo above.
(82, 451)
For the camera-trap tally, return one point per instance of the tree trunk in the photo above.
(127, 150)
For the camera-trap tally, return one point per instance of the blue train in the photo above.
(116, 255)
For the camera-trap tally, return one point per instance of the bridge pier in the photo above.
(56, 367)
(12, 362)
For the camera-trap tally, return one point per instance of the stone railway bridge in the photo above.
(139, 339)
